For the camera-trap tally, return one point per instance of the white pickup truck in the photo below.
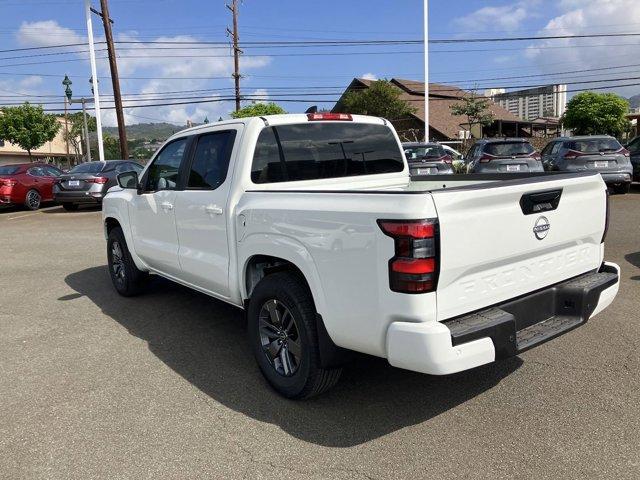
(311, 224)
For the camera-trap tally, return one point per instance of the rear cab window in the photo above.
(311, 151)
(509, 149)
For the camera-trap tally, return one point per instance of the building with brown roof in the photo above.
(443, 125)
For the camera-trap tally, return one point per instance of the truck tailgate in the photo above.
(501, 240)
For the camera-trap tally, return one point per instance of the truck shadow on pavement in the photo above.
(634, 259)
(204, 341)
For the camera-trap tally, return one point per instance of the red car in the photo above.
(27, 184)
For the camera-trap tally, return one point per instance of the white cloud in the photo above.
(584, 17)
(260, 95)
(31, 81)
(46, 33)
(506, 18)
(196, 68)
(369, 76)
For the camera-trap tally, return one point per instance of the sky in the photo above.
(299, 76)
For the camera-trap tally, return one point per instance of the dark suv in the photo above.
(503, 155)
(427, 159)
(88, 183)
(634, 150)
(597, 153)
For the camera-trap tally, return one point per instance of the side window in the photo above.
(122, 167)
(634, 147)
(51, 171)
(163, 172)
(36, 172)
(547, 149)
(556, 148)
(211, 160)
(135, 167)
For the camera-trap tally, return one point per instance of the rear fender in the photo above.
(286, 248)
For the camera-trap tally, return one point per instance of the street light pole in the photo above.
(426, 70)
(94, 74)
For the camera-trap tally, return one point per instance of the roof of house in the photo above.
(441, 97)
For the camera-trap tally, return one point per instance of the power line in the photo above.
(345, 42)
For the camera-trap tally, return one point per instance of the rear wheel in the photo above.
(622, 189)
(127, 279)
(32, 200)
(282, 335)
(70, 207)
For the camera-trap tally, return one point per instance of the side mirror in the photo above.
(128, 180)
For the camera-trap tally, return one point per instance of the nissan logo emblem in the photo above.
(541, 227)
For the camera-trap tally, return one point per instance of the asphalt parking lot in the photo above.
(93, 385)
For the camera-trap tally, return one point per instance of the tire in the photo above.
(293, 376)
(70, 207)
(32, 200)
(125, 276)
(622, 189)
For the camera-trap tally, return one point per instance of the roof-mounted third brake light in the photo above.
(345, 117)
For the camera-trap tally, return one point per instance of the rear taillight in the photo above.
(624, 151)
(606, 217)
(536, 156)
(329, 116)
(414, 267)
(573, 154)
(446, 159)
(486, 158)
(8, 183)
(100, 180)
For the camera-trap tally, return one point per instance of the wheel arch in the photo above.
(259, 266)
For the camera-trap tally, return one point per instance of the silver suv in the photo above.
(503, 155)
(600, 153)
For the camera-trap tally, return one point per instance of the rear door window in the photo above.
(311, 151)
(211, 160)
(509, 149)
(634, 147)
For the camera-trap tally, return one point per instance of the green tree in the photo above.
(27, 126)
(258, 110)
(590, 113)
(75, 132)
(381, 99)
(111, 147)
(476, 110)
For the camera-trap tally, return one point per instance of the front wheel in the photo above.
(32, 200)
(282, 335)
(126, 277)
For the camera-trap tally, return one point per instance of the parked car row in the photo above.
(619, 166)
(31, 184)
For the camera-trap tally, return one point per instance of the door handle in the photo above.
(166, 206)
(213, 210)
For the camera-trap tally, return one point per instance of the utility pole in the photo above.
(115, 81)
(236, 50)
(426, 70)
(94, 74)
